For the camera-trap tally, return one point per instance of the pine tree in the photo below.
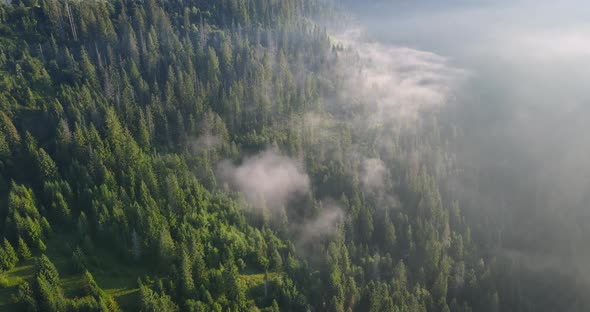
(88, 69)
(45, 268)
(187, 283)
(41, 245)
(10, 253)
(4, 260)
(26, 297)
(23, 249)
(135, 246)
(166, 246)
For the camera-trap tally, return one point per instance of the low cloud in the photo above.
(326, 223)
(205, 142)
(268, 179)
(396, 83)
(522, 115)
(373, 174)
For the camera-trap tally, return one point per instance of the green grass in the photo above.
(254, 283)
(114, 276)
(255, 280)
(10, 280)
(121, 283)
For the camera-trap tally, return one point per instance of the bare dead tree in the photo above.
(71, 19)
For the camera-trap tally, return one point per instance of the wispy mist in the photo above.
(373, 174)
(267, 179)
(523, 111)
(324, 224)
(396, 83)
(270, 182)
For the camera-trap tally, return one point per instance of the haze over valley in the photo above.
(294, 155)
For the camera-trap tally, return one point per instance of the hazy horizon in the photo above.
(523, 109)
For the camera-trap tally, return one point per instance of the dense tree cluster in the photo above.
(113, 116)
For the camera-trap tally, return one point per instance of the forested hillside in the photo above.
(203, 155)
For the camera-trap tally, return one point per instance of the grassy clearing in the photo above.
(10, 280)
(115, 277)
(257, 279)
(256, 290)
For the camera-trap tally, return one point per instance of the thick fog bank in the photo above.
(524, 112)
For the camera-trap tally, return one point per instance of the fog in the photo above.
(268, 179)
(523, 112)
(510, 75)
(271, 182)
(393, 83)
